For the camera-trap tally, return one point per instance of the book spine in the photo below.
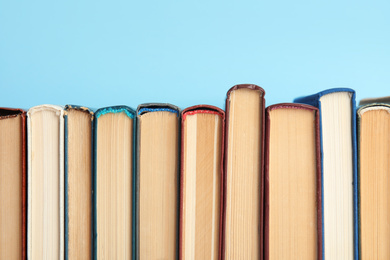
(314, 100)
(146, 108)
(201, 109)
(102, 111)
(318, 178)
(355, 178)
(226, 144)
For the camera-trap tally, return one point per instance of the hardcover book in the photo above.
(113, 182)
(244, 173)
(339, 171)
(12, 183)
(201, 179)
(78, 182)
(293, 220)
(45, 219)
(157, 190)
(374, 178)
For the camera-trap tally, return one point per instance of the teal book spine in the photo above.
(130, 113)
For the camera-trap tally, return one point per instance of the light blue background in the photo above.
(101, 53)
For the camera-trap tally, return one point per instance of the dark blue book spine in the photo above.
(150, 108)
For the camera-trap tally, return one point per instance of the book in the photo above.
(373, 122)
(339, 171)
(157, 187)
(114, 130)
(244, 173)
(78, 182)
(45, 182)
(202, 136)
(293, 219)
(12, 183)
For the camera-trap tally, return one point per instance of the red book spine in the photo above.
(201, 109)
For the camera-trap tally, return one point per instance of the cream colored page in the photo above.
(79, 184)
(375, 183)
(11, 171)
(242, 226)
(45, 183)
(114, 186)
(292, 185)
(201, 186)
(189, 222)
(336, 112)
(158, 187)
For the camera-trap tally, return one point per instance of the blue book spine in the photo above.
(314, 100)
(142, 109)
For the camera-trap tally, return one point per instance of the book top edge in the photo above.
(291, 106)
(202, 107)
(79, 108)
(247, 86)
(115, 109)
(6, 112)
(59, 110)
(318, 95)
(157, 107)
(373, 106)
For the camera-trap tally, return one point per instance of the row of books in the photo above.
(303, 180)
